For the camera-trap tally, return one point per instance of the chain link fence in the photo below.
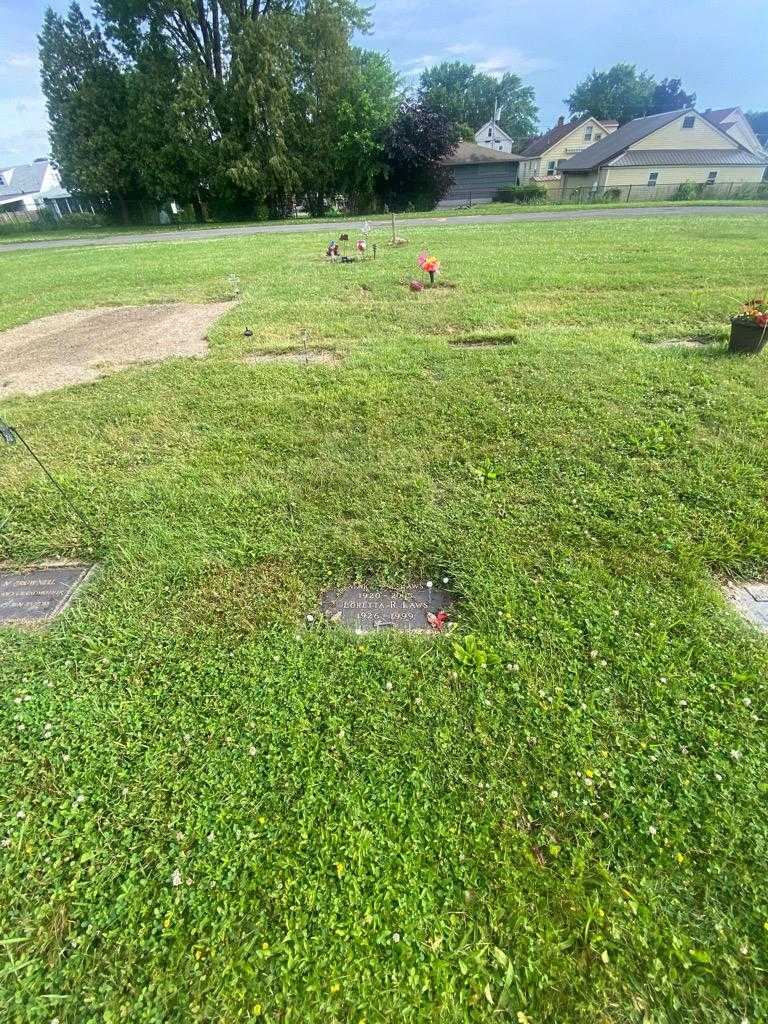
(76, 214)
(684, 192)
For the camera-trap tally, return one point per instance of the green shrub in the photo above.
(67, 221)
(530, 193)
(687, 190)
(611, 195)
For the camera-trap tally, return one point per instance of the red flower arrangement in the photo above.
(429, 264)
(755, 311)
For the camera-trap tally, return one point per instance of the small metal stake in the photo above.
(10, 434)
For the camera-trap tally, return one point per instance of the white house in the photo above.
(492, 136)
(27, 188)
(669, 149)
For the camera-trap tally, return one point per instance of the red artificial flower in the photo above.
(437, 621)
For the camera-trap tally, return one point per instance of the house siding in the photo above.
(482, 180)
(563, 149)
(674, 136)
(678, 175)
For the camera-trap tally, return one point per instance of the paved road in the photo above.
(205, 234)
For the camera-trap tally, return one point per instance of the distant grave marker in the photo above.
(35, 595)
(751, 600)
(369, 609)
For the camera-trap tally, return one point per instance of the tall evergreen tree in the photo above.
(88, 108)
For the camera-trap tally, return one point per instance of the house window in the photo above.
(653, 177)
(551, 167)
(689, 122)
(712, 177)
(489, 133)
(598, 136)
(588, 134)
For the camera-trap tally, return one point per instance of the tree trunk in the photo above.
(124, 212)
(197, 206)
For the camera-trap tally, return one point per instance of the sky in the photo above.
(717, 47)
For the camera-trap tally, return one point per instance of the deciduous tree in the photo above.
(468, 97)
(413, 147)
(621, 93)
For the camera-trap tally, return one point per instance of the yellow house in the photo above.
(669, 149)
(540, 159)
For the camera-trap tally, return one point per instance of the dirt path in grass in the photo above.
(85, 344)
(403, 222)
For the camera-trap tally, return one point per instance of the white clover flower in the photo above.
(310, 618)
(736, 755)
(21, 814)
(388, 686)
(652, 830)
(176, 878)
(395, 936)
(252, 751)
(747, 702)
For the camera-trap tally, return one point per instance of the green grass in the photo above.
(385, 828)
(8, 237)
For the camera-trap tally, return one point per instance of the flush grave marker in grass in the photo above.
(35, 595)
(419, 608)
(751, 601)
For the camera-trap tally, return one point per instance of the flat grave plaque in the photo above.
(37, 594)
(367, 609)
(751, 600)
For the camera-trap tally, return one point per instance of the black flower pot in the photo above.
(747, 338)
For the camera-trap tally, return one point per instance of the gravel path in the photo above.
(205, 234)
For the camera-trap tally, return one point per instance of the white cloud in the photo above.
(462, 49)
(498, 62)
(25, 61)
(25, 129)
(495, 63)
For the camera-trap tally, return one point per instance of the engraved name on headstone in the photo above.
(365, 609)
(35, 595)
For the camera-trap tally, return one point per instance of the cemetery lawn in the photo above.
(556, 813)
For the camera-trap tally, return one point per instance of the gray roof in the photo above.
(25, 178)
(471, 153)
(686, 158)
(544, 142)
(612, 145)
